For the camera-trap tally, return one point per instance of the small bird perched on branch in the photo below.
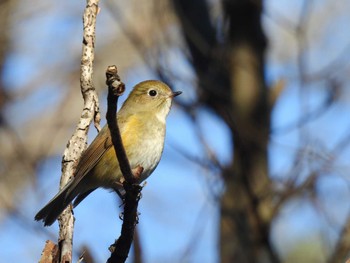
(141, 121)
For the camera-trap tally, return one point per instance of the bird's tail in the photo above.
(50, 212)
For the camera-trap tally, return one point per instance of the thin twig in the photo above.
(341, 249)
(116, 88)
(86, 255)
(137, 247)
(121, 247)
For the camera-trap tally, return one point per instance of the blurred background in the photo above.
(256, 161)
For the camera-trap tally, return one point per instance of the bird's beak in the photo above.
(176, 93)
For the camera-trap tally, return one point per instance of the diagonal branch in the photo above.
(121, 247)
(341, 251)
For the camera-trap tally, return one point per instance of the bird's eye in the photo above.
(152, 93)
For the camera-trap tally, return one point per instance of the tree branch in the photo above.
(116, 88)
(77, 144)
(341, 250)
(50, 253)
(121, 247)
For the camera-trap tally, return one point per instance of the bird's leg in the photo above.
(118, 185)
(120, 193)
(137, 171)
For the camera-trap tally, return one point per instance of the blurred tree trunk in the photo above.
(231, 78)
(244, 224)
(6, 10)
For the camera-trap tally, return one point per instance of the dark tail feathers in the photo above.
(50, 212)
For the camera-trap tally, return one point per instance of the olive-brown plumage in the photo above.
(141, 122)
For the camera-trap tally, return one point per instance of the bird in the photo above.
(142, 125)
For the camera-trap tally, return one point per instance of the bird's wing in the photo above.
(93, 153)
(89, 159)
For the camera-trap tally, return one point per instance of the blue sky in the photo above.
(177, 208)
